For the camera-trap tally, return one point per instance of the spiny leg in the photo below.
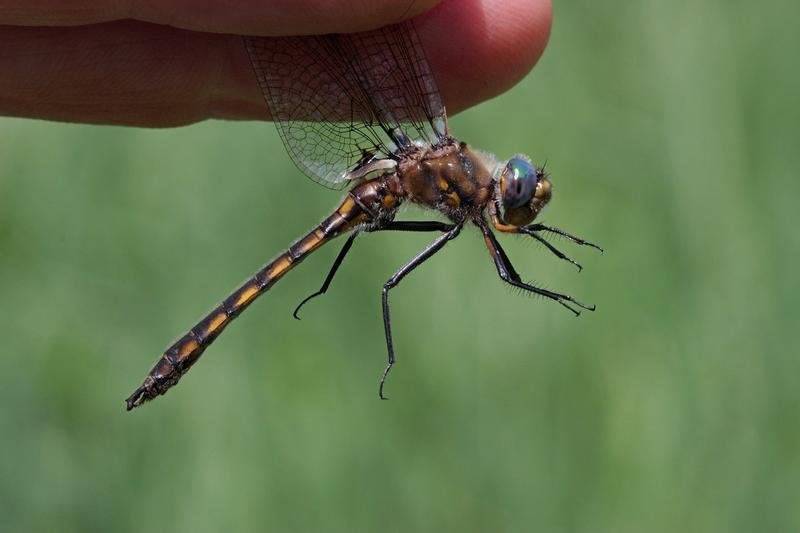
(420, 258)
(509, 275)
(555, 251)
(391, 226)
(532, 230)
(535, 228)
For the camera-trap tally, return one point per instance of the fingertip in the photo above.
(477, 49)
(480, 48)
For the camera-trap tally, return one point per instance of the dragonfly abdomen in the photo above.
(356, 208)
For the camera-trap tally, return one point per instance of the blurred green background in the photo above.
(671, 131)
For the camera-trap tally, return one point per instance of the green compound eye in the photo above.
(519, 183)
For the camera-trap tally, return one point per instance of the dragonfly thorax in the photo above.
(450, 178)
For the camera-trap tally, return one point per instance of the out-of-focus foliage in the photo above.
(671, 133)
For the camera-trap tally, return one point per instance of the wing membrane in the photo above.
(340, 100)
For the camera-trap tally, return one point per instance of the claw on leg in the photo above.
(383, 381)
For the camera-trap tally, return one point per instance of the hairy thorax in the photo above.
(450, 178)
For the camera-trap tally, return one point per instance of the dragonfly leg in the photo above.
(336, 264)
(557, 231)
(414, 225)
(507, 273)
(533, 230)
(391, 226)
(555, 251)
(420, 258)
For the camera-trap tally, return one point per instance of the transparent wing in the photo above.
(341, 100)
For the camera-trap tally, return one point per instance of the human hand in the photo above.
(176, 62)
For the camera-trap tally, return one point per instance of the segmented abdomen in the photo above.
(179, 357)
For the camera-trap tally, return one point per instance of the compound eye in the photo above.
(518, 183)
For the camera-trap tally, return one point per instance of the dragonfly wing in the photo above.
(341, 100)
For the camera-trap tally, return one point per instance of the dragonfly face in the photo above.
(524, 191)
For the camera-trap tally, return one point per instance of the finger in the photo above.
(477, 49)
(251, 17)
(481, 48)
(142, 74)
(127, 73)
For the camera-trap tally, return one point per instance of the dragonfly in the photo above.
(362, 111)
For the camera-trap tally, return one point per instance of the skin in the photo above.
(160, 63)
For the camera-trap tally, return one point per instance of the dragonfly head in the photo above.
(524, 191)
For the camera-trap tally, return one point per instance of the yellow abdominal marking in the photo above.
(347, 206)
(279, 268)
(310, 244)
(249, 293)
(363, 217)
(188, 348)
(216, 323)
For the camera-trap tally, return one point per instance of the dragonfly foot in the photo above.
(383, 382)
